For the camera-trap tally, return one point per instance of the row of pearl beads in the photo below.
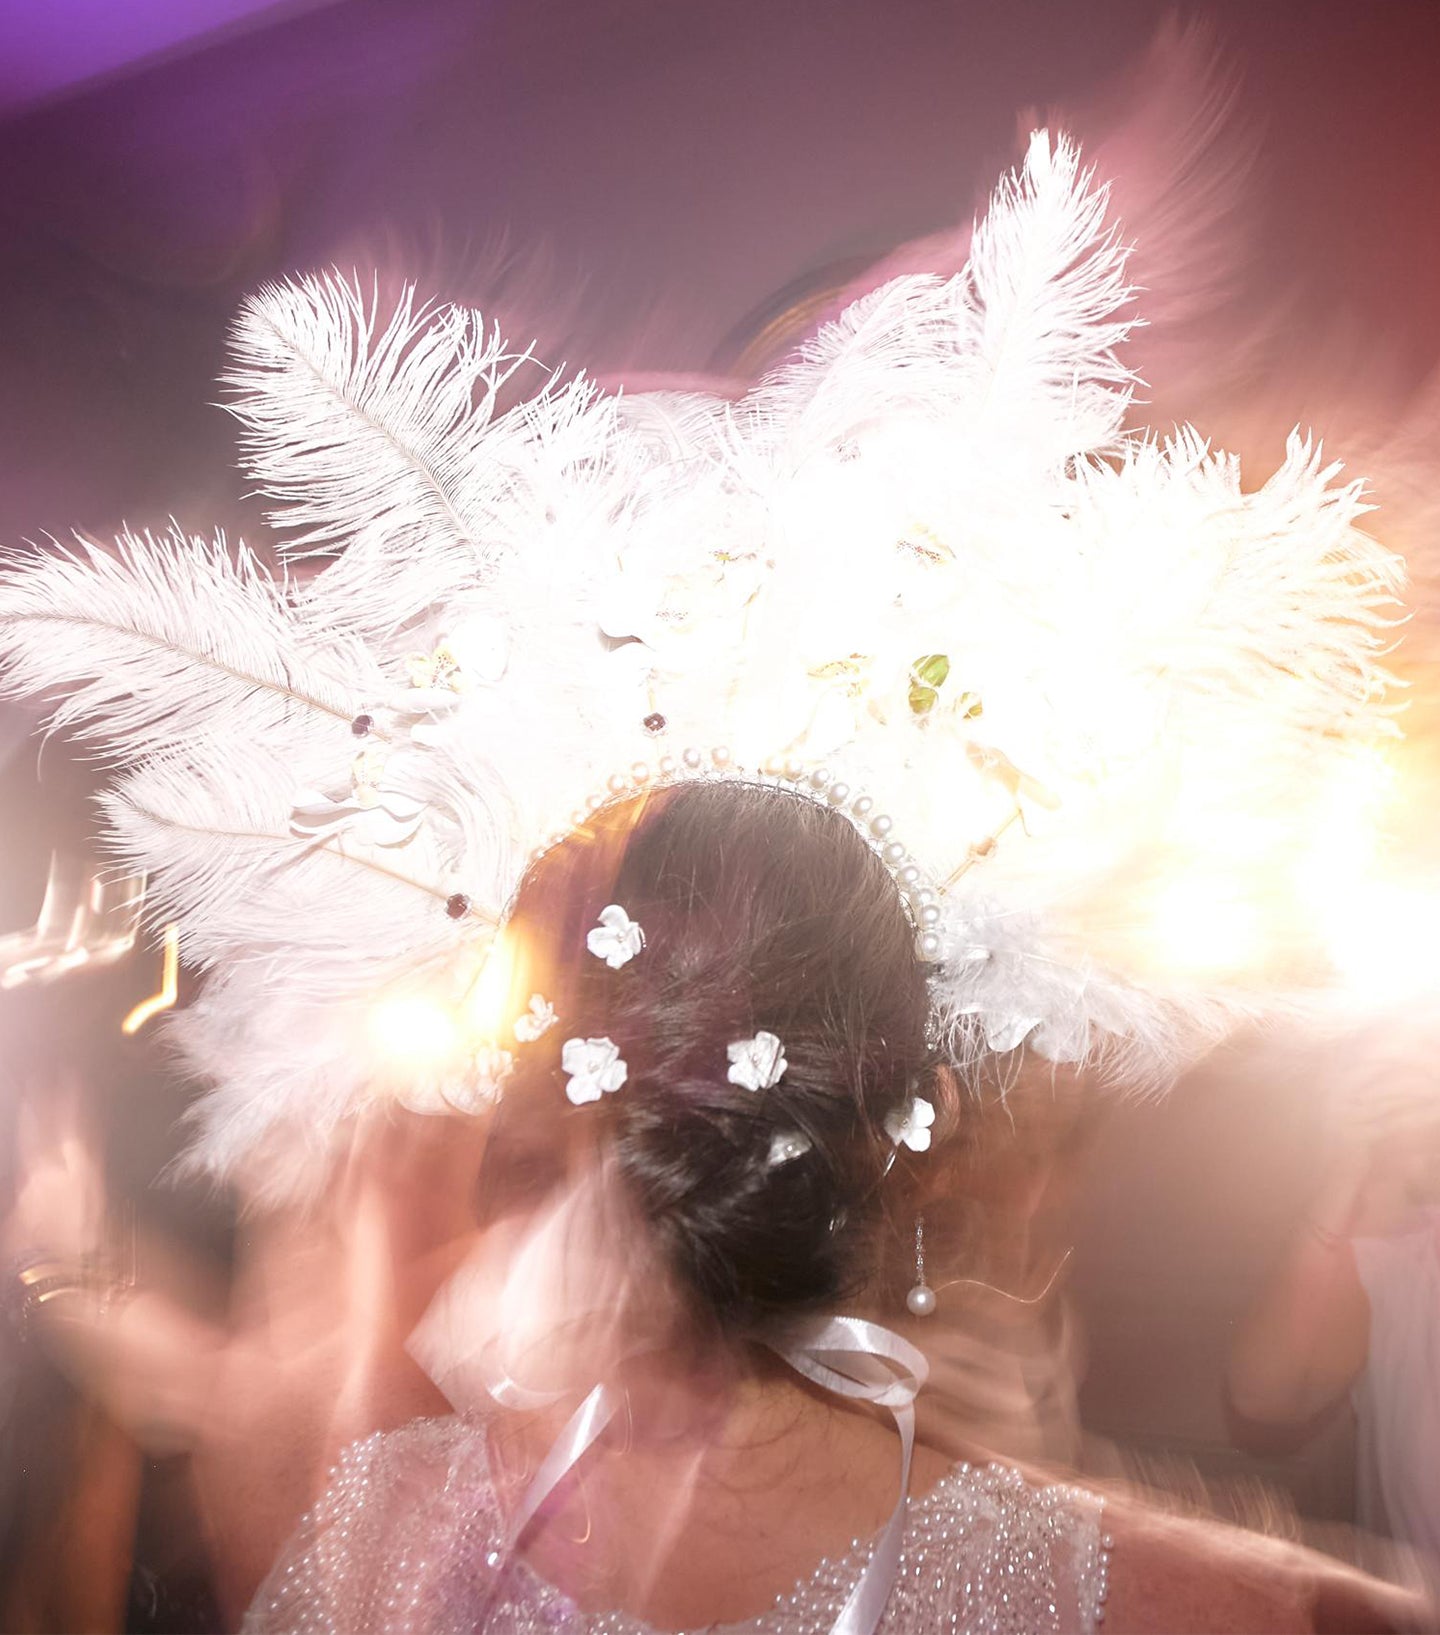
(876, 827)
(691, 763)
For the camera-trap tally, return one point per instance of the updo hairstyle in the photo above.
(761, 910)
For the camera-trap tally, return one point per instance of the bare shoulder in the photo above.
(1181, 1576)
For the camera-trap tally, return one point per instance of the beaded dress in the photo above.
(408, 1539)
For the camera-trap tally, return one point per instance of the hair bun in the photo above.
(762, 913)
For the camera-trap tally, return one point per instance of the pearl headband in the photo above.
(876, 828)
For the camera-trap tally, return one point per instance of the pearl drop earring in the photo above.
(921, 1299)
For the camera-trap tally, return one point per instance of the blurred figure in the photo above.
(70, 1475)
(313, 1356)
(258, 1384)
(1353, 1308)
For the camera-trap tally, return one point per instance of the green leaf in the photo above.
(932, 670)
(923, 699)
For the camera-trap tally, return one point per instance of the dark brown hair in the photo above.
(761, 910)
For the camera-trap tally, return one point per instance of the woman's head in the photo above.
(761, 911)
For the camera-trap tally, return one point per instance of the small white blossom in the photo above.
(617, 939)
(758, 1063)
(909, 1125)
(538, 1019)
(595, 1067)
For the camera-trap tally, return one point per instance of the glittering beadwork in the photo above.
(409, 1540)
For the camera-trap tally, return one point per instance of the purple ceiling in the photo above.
(53, 46)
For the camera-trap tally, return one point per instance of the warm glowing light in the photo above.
(1200, 928)
(491, 1001)
(169, 985)
(84, 920)
(967, 803)
(423, 1029)
(414, 1028)
(1345, 830)
(1380, 924)
(1126, 719)
(1384, 940)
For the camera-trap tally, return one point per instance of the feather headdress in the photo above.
(1087, 676)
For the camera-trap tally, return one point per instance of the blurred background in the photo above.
(653, 187)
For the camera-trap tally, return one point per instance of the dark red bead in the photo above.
(362, 724)
(654, 722)
(457, 906)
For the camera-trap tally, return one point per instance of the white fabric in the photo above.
(1397, 1398)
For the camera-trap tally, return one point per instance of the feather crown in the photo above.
(923, 558)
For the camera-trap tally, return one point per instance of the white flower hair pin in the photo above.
(617, 939)
(909, 1125)
(758, 1063)
(536, 1020)
(595, 1068)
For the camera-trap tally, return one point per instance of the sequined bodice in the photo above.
(407, 1540)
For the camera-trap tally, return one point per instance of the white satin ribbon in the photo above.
(581, 1430)
(844, 1355)
(868, 1363)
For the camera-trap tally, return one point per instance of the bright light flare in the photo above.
(461, 1016)
(1380, 928)
(169, 985)
(1384, 940)
(490, 1004)
(415, 1029)
(1345, 830)
(965, 801)
(1202, 929)
(85, 919)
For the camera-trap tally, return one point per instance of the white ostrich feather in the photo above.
(891, 352)
(1274, 593)
(213, 828)
(1042, 303)
(355, 428)
(1011, 982)
(385, 441)
(168, 642)
(279, 1074)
